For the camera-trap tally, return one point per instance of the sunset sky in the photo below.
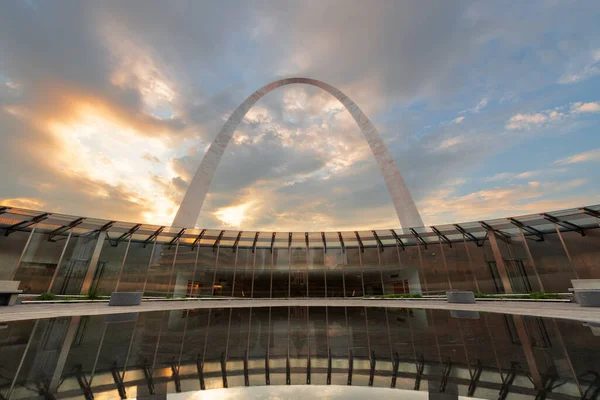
(490, 108)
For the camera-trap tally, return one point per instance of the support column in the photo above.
(14, 273)
(173, 270)
(123, 264)
(471, 264)
(445, 263)
(27, 346)
(528, 351)
(193, 273)
(62, 254)
(537, 276)
(500, 262)
(64, 352)
(91, 270)
(422, 268)
(566, 250)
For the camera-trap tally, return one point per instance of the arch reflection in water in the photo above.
(136, 355)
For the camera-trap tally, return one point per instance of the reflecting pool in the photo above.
(138, 355)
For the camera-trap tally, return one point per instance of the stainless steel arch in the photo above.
(190, 207)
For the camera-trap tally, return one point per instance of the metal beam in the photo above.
(64, 228)
(149, 378)
(507, 381)
(342, 242)
(350, 366)
(289, 240)
(443, 237)
(118, 380)
(4, 210)
(288, 378)
(83, 383)
(528, 229)
(373, 362)
(475, 378)
(218, 240)
(200, 369)
(446, 375)
(400, 242)
(254, 242)
(175, 375)
(306, 238)
(471, 237)
(127, 234)
(378, 240)
(329, 367)
(591, 212)
(267, 370)
(565, 224)
(198, 238)
(246, 378)
(490, 228)
(25, 224)
(237, 241)
(153, 236)
(418, 237)
(395, 366)
(420, 368)
(176, 238)
(106, 226)
(324, 241)
(224, 370)
(360, 243)
(308, 369)
(273, 241)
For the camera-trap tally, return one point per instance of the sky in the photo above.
(490, 109)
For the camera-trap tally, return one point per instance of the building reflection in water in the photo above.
(136, 355)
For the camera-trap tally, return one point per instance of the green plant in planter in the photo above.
(93, 294)
(47, 296)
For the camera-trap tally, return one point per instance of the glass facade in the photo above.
(71, 256)
(493, 356)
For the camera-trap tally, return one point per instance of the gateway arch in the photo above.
(192, 202)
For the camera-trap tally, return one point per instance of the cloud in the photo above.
(117, 102)
(446, 206)
(587, 156)
(590, 69)
(550, 116)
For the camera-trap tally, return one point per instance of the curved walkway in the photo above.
(570, 311)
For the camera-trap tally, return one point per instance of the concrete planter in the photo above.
(460, 297)
(9, 292)
(588, 297)
(125, 299)
(587, 292)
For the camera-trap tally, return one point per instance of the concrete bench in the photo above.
(460, 297)
(125, 299)
(9, 292)
(586, 292)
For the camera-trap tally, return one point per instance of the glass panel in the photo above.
(39, 263)
(353, 273)
(334, 265)
(262, 273)
(317, 274)
(373, 277)
(74, 264)
(11, 248)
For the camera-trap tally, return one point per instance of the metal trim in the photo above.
(64, 228)
(441, 236)
(528, 229)
(565, 224)
(25, 224)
